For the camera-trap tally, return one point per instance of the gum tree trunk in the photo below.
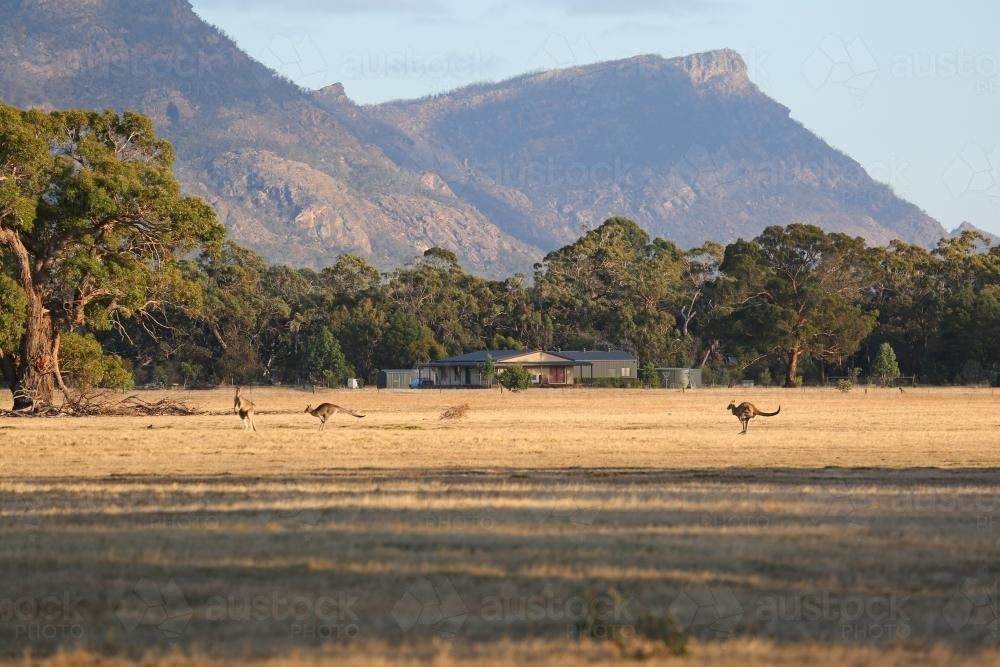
(793, 366)
(36, 368)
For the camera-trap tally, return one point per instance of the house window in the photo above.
(626, 372)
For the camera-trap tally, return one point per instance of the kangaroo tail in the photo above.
(352, 412)
(770, 414)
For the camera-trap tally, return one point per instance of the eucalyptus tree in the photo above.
(614, 285)
(92, 225)
(794, 292)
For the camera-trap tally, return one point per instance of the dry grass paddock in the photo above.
(859, 528)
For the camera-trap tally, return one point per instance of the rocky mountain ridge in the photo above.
(499, 173)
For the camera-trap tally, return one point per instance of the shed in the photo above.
(603, 364)
(396, 378)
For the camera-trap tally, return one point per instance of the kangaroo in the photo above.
(747, 411)
(324, 410)
(244, 407)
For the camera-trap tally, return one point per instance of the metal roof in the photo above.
(477, 357)
(499, 356)
(502, 356)
(597, 355)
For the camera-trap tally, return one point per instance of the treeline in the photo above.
(793, 305)
(110, 275)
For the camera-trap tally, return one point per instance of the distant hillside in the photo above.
(498, 173)
(992, 239)
(286, 177)
(688, 147)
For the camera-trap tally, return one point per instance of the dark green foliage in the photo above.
(885, 368)
(649, 376)
(795, 292)
(92, 226)
(85, 366)
(514, 378)
(322, 359)
(13, 312)
(488, 370)
(614, 285)
(794, 298)
(617, 383)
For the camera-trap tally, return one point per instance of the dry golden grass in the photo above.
(534, 506)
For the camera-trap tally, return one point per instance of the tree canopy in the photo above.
(794, 291)
(92, 223)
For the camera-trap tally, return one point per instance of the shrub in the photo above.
(514, 378)
(649, 375)
(885, 367)
(848, 383)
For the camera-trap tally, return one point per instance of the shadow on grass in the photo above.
(267, 564)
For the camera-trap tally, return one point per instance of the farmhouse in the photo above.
(547, 368)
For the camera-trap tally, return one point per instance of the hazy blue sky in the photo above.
(911, 90)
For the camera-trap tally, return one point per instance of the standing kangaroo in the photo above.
(324, 410)
(244, 407)
(747, 411)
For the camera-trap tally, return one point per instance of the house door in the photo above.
(557, 375)
(468, 376)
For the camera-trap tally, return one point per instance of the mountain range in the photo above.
(499, 173)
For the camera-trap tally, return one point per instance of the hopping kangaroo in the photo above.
(244, 407)
(747, 411)
(324, 410)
